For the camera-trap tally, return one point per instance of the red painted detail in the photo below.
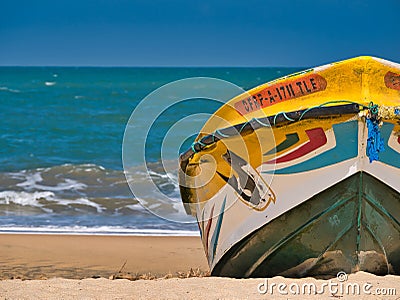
(398, 139)
(208, 227)
(317, 138)
(392, 81)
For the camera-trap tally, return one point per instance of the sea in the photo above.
(61, 147)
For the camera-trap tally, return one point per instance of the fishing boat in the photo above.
(301, 176)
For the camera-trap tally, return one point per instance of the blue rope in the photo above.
(261, 123)
(201, 143)
(241, 129)
(193, 148)
(373, 108)
(284, 114)
(254, 119)
(275, 120)
(329, 102)
(374, 141)
(287, 118)
(213, 137)
(221, 134)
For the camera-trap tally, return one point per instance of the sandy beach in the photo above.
(87, 267)
(30, 256)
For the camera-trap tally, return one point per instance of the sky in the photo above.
(196, 33)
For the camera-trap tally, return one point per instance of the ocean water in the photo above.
(61, 135)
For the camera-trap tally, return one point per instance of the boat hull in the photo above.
(302, 176)
(352, 226)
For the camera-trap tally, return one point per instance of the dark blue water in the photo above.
(61, 133)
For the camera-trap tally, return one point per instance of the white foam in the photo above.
(32, 199)
(7, 89)
(32, 180)
(154, 205)
(68, 184)
(82, 201)
(99, 230)
(24, 198)
(136, 207)
(50, 83)
(84, 167)
(179, 207)
(160, 175)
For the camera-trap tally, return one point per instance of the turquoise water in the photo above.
(61, 132)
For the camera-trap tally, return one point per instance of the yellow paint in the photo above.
(359, 80)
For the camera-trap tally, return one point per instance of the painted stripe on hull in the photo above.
(346, 148)
(317, 138)
(291, 139)
(215, 236)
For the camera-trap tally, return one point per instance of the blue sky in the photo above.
(196, 33)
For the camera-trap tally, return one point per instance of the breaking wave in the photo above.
(87, 198)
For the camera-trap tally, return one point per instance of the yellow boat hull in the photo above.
(319, 150)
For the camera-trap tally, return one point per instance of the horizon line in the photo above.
(145, 66)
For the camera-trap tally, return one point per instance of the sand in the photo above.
(28, 256)
(79, 267)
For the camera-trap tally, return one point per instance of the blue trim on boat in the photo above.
(389, 156)
(346, 148)
(215, 236)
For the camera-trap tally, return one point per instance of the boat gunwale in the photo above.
(278, 120)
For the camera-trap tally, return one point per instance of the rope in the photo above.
(261, 123)
(374, 141)
(202, 146)
(201, 143)
(326, 103)
(213, 137)
(373, 108)
(193, 148)
(244, 125)
(284, 114)
(221, 134)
